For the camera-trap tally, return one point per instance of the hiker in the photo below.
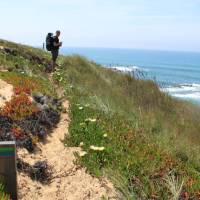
(53, 44)
(55, 49)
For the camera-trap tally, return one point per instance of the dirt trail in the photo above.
(70, 182)
(6, 92)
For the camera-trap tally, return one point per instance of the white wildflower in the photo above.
(92, 147)
(82, 153)
(80, 108)
(105, 135)
(101, 149)
(90, 120)
(81, 144)
(93, 120)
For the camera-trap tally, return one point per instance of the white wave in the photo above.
(127, 69)
(195, 95)
(184, 91)
(183, 88)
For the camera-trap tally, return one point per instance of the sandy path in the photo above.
(6, 92)
(70, 182)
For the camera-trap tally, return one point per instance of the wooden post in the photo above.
(8, 173)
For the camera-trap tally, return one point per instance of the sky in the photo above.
(137, 24)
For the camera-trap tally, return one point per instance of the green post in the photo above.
(8, 172)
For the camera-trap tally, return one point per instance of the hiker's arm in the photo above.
(56, 44)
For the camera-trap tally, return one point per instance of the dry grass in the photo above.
(174, 185)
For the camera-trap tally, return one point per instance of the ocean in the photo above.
(177, 73)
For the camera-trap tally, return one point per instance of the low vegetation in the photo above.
(140, 137)
(3, 195)
(145, 141)
(33, 110)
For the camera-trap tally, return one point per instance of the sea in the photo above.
(177, 73)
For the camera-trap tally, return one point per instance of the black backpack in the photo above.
(49, 41)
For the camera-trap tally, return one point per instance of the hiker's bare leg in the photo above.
(52, 65)
(54, 58)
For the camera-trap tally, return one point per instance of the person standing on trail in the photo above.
(55, 49)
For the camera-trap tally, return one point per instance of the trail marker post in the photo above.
(8, 173)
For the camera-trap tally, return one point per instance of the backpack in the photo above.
(49, 41)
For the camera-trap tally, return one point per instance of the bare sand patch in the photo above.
(6, 92)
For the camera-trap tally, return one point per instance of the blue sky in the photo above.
(143, 24)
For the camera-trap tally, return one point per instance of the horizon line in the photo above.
(116, 48)
(132, 48)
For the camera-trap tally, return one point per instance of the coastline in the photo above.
(177, 73)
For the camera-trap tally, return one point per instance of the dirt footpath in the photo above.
(6, 92)
(70, 182)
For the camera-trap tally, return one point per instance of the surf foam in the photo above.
(184, 91)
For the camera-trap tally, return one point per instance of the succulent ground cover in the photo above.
(27, 119)
(40, 171)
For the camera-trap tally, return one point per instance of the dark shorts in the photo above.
(54, 54)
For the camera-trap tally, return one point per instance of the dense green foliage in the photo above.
(146, 142)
